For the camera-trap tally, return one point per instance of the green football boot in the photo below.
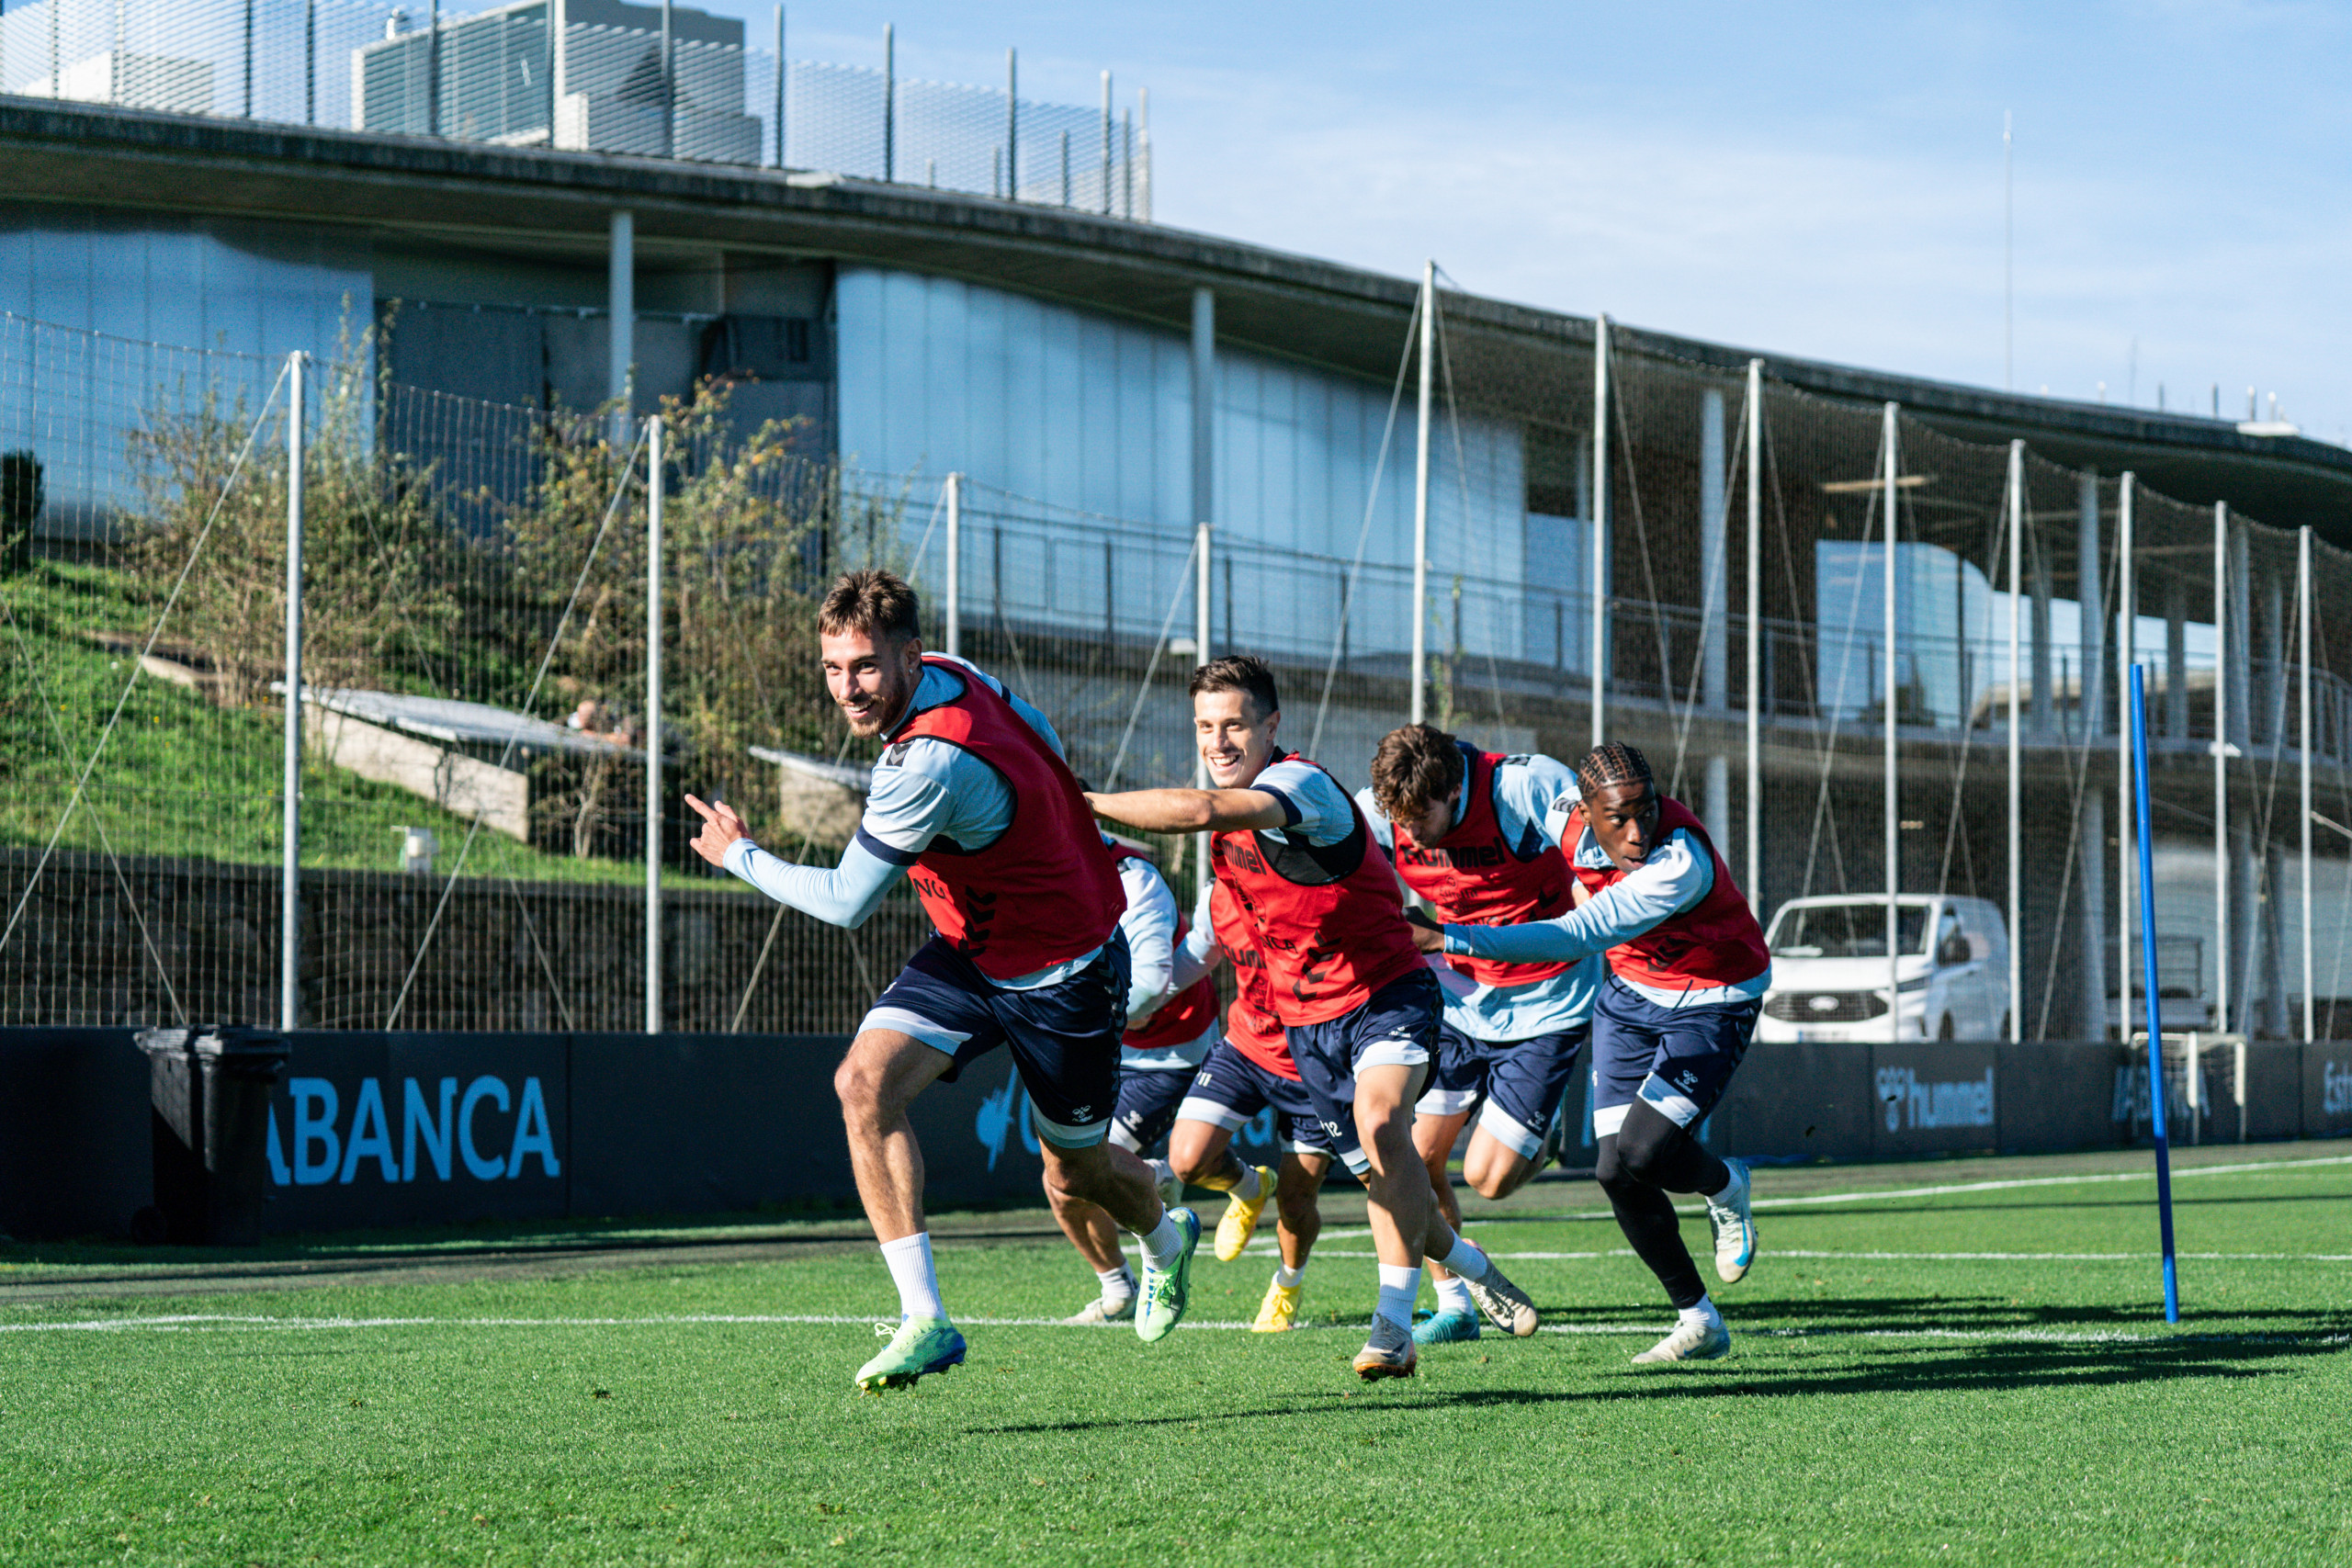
(1159, 1306)
(922, 1345)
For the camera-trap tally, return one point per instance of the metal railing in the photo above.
(700, 91)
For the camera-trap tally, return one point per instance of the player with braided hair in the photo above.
(1688, 974)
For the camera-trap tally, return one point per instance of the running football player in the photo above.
(1248, 1071)
(1170, 1029)
(1687, 970)
(1465, 828)
(1358, 1005)
(972, 802)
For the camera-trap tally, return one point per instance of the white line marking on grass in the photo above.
(1900, 1257)
(188, 1323)
(2178, 1175)
(202, 1321)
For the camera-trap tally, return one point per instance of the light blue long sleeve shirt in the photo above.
(1677, 875)
(924, 790)
(1526, 789)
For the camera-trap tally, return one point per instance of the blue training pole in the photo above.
(2148, 951)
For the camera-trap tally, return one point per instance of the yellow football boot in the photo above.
(1240, 1220)
(1279, 1311)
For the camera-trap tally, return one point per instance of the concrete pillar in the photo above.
(1204, 406)
(2274, 941)
(2042, 718)
(2091, 856)
(1716, 810)
(2243, 933)
(2089, 591)
(2177, 659)
(2274, 662)
(1714, 561)
(620, 287)
(2240, 673)
(1714, 684)
(2092, 710)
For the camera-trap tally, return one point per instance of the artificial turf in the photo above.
(1924, 1375)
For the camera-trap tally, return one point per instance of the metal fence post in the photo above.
(2016, 499)
(1755, 635)
(1419, 705)
(1012, 125)
(783, 69)
(1201, 653)
(289, 890)
(2221, 767)
(2127, 651)
(1106, 145)
(955, 629)
(1893, 823)
(653, 484)
(889, 102)
(1598, 558)
(2303, 682)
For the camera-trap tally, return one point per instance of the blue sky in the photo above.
(1810, 180)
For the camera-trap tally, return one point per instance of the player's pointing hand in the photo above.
(720, 828)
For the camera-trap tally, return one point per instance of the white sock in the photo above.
(1465, 1259)
(910, 1270)
(1288, 1278)
(1452, 1294)
(1704, 1312)
(1399, 1287)
(1164, 1244)
(1161, 1171)
(1118, 1285)
(1248, 1187)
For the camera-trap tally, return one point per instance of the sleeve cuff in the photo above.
(889, 854)
(737, 858)
(1291, 814)
(1457, 946)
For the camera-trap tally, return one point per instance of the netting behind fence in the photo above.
(477, 711)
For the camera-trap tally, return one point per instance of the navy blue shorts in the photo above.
(1064, 1037)
(1396, 1026)
(1148, 1101)
(1520, 1081)
(1680, 1059)
(1230, 1089)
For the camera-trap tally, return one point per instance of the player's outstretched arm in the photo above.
(1200, 953)
(1673, 880)
(845, 894)
(1191, 810)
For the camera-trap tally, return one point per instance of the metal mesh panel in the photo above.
(484, 866)
(490, 75)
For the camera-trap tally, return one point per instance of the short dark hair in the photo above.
(1243, 672)
(1416, 766)
(873, 601)
(1613, 762)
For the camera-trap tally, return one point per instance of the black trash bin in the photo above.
(210, 1090)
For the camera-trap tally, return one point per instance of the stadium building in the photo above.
(625, 205)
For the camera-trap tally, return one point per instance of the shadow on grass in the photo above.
(1909, 1369)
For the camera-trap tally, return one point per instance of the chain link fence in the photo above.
(477, 716)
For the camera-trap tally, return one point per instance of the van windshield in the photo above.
(1847, 931)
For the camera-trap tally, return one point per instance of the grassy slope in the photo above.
(182, 778)
(1877, 1408)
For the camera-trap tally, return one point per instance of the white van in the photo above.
(1829, 970)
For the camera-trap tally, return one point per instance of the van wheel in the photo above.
(1943, 1029)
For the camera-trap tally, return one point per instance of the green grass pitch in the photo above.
(1965, 1363)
